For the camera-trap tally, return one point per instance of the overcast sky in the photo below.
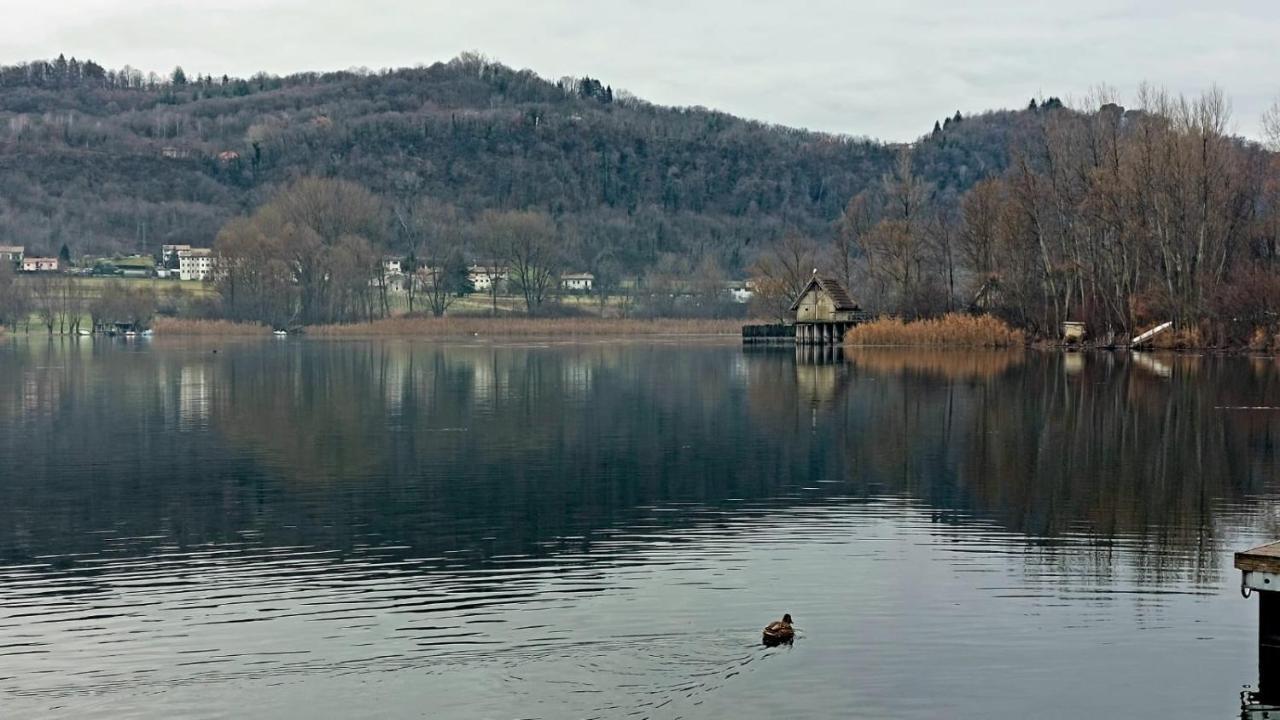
(884, 69)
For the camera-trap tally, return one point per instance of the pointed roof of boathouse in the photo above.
(833, 289)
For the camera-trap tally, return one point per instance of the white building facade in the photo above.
(577, 282)
(195, 264)
(39, 264)
(482, 278)
(12, 253)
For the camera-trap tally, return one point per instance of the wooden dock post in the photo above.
(1261, 568)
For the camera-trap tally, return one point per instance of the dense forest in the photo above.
(1115, 216)
(114, 160)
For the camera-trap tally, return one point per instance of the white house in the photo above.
(195, 264)
(12, 253)
(577, 282)
(392, 266)
(39, 264)
(740, 290)
(482, 277)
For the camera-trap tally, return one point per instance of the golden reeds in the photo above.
(953, 330)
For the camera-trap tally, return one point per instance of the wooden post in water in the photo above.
(1261, 568)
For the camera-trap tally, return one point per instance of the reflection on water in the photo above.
(391, 529)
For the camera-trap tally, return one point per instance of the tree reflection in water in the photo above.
(480, 450)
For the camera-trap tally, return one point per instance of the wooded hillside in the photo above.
(112, 160)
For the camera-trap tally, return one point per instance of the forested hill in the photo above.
(105, 160)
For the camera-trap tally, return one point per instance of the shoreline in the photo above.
(576, 329)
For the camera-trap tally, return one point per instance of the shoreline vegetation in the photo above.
(432, 327)
(207, 328)
(953, 330)
(525, 327)
(309, 205)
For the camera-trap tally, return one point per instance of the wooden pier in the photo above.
(776, 333)
(1261, 569)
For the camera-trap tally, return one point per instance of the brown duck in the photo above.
(779, 631)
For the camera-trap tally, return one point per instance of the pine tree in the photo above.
(64, 256)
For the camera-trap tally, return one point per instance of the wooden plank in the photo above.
(1151, 333)
(1265, 558)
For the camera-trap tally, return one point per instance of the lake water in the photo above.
(302, 529)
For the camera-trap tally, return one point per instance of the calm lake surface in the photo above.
(303, 529)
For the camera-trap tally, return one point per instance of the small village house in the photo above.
(392, 266)
(482, 277)
(740, 290)
(39, 264)
(12, 254)
(577, 282)
(195, 264)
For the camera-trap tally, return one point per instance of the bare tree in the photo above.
(327, 233)
(527, 240)
(45, 299)
(781, 273)
(855, 222)
(15, 298)
(433, 230)
(1271, 126)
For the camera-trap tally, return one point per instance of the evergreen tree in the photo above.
(179, 77)
(60, 70)
(64, 255)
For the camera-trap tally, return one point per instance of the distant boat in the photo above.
(280, 333)
(82, 331)
(147, 333)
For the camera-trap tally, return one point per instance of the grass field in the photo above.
(92, 285)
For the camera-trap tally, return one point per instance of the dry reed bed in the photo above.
(525, 327)
(953, 330)
(207, 328)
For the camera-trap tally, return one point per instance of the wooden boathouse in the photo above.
(824, 312)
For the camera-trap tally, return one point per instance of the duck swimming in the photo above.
(779, 631)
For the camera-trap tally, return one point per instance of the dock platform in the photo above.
(1261, 568)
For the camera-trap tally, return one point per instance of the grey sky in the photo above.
(884, 69)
